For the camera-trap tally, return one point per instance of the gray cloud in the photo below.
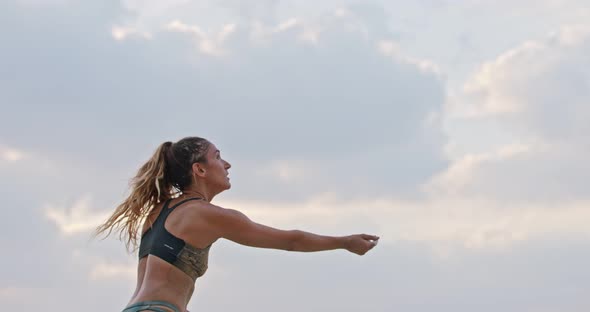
(87, 109)
(337, 104)
(297, 120)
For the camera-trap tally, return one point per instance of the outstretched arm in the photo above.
(358, 244)
(235, 226)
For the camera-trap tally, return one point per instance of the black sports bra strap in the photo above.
(166, 203)
(164, 211)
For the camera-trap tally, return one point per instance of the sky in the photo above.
(457, 131)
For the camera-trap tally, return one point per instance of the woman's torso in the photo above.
(160, 280)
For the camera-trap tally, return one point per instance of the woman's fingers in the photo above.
(361, 243)
(369, 237)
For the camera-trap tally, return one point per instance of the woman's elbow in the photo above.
(294, 241)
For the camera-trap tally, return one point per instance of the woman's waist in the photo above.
(153, 305)
(174, 293)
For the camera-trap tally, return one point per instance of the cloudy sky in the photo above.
(455, 130)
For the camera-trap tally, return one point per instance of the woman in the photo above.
(171, 195)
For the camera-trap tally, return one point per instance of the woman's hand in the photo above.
(360, 244)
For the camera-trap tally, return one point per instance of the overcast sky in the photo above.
(457, 131)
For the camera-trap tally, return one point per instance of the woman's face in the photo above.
(216, 169)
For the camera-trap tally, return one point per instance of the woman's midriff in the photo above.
(162, 281)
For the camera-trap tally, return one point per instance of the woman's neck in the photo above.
(197, 193)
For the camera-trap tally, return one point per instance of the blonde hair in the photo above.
(165, 175)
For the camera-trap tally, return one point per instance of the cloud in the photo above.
(461, 172)
(534, 81)
(75, 219)
(333, 125)
(535, 95)
(9, 154)
(121, 33)
(208, 44)
(393, 49)
(338, 103)
(449, 224)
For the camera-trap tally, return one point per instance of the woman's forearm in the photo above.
(308, 242)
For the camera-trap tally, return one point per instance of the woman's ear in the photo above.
(199, 170)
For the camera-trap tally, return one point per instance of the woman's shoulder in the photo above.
(200, 210)
(213, 215)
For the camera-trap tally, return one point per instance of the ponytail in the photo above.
(150, 186)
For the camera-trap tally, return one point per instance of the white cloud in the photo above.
(120, 33)
(76, 218)
(210, 44)
(393, 49)
(308, 32)
(444, 223)
(532, 77)
(463, 170)
(286, 25)
(10, 154)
